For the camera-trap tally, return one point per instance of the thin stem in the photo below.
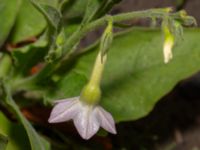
(80, 33)
(69, 48)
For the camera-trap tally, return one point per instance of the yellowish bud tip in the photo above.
(169, 9)
(167, 49)
(183, 13)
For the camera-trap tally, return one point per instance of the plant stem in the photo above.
(69, 48)
(80, 33)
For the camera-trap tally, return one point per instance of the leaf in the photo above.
(106, 6)
(53, 17)
(74, 9)
(35, 140)
(5, 65)
(135, 76)
(91, 10)
(52, 3)
(32, 54)
(3, 142)
(30, 22)
(19, 142)
(8, 12)
(51, 14)
(74, 89)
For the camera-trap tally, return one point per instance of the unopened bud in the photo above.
(168, 45)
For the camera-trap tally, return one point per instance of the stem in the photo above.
(97, 71)
(76, 36)
(69, 48)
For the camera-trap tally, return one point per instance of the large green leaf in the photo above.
(30, 22)
(135, 76)
(8, 12)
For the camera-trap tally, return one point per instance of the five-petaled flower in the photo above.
(84, 110)
(87, 118)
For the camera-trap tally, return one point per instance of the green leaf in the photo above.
(74, 9)
(91, 10)
(35, 140)
(53, 3)
(53, 17)
(106, 6)
(74, 88)
(51, 14)
(3, 142)
(5, 65)
(135, 76)
(17, 138)
(30, 22)
(8, 12)
(32, 54)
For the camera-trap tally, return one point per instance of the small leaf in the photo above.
(32, 54)
(8, 13)
(52, 15)
(27, 24)
(91, 10)
(5, 65)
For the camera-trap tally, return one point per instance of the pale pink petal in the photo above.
(86, 122)
(66, 99)
(64, 110)
(105, 119)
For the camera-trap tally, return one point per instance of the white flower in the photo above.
(87, 118)
(167, 49)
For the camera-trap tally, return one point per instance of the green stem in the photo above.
(73, 40)
(70, 45)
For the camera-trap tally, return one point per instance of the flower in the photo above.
(167, 49)
(87, 118)
(85, 112)
(168, 44)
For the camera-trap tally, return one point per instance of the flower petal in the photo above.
(86, 122)
(106, 120)
(64, 110)
(66, 99)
